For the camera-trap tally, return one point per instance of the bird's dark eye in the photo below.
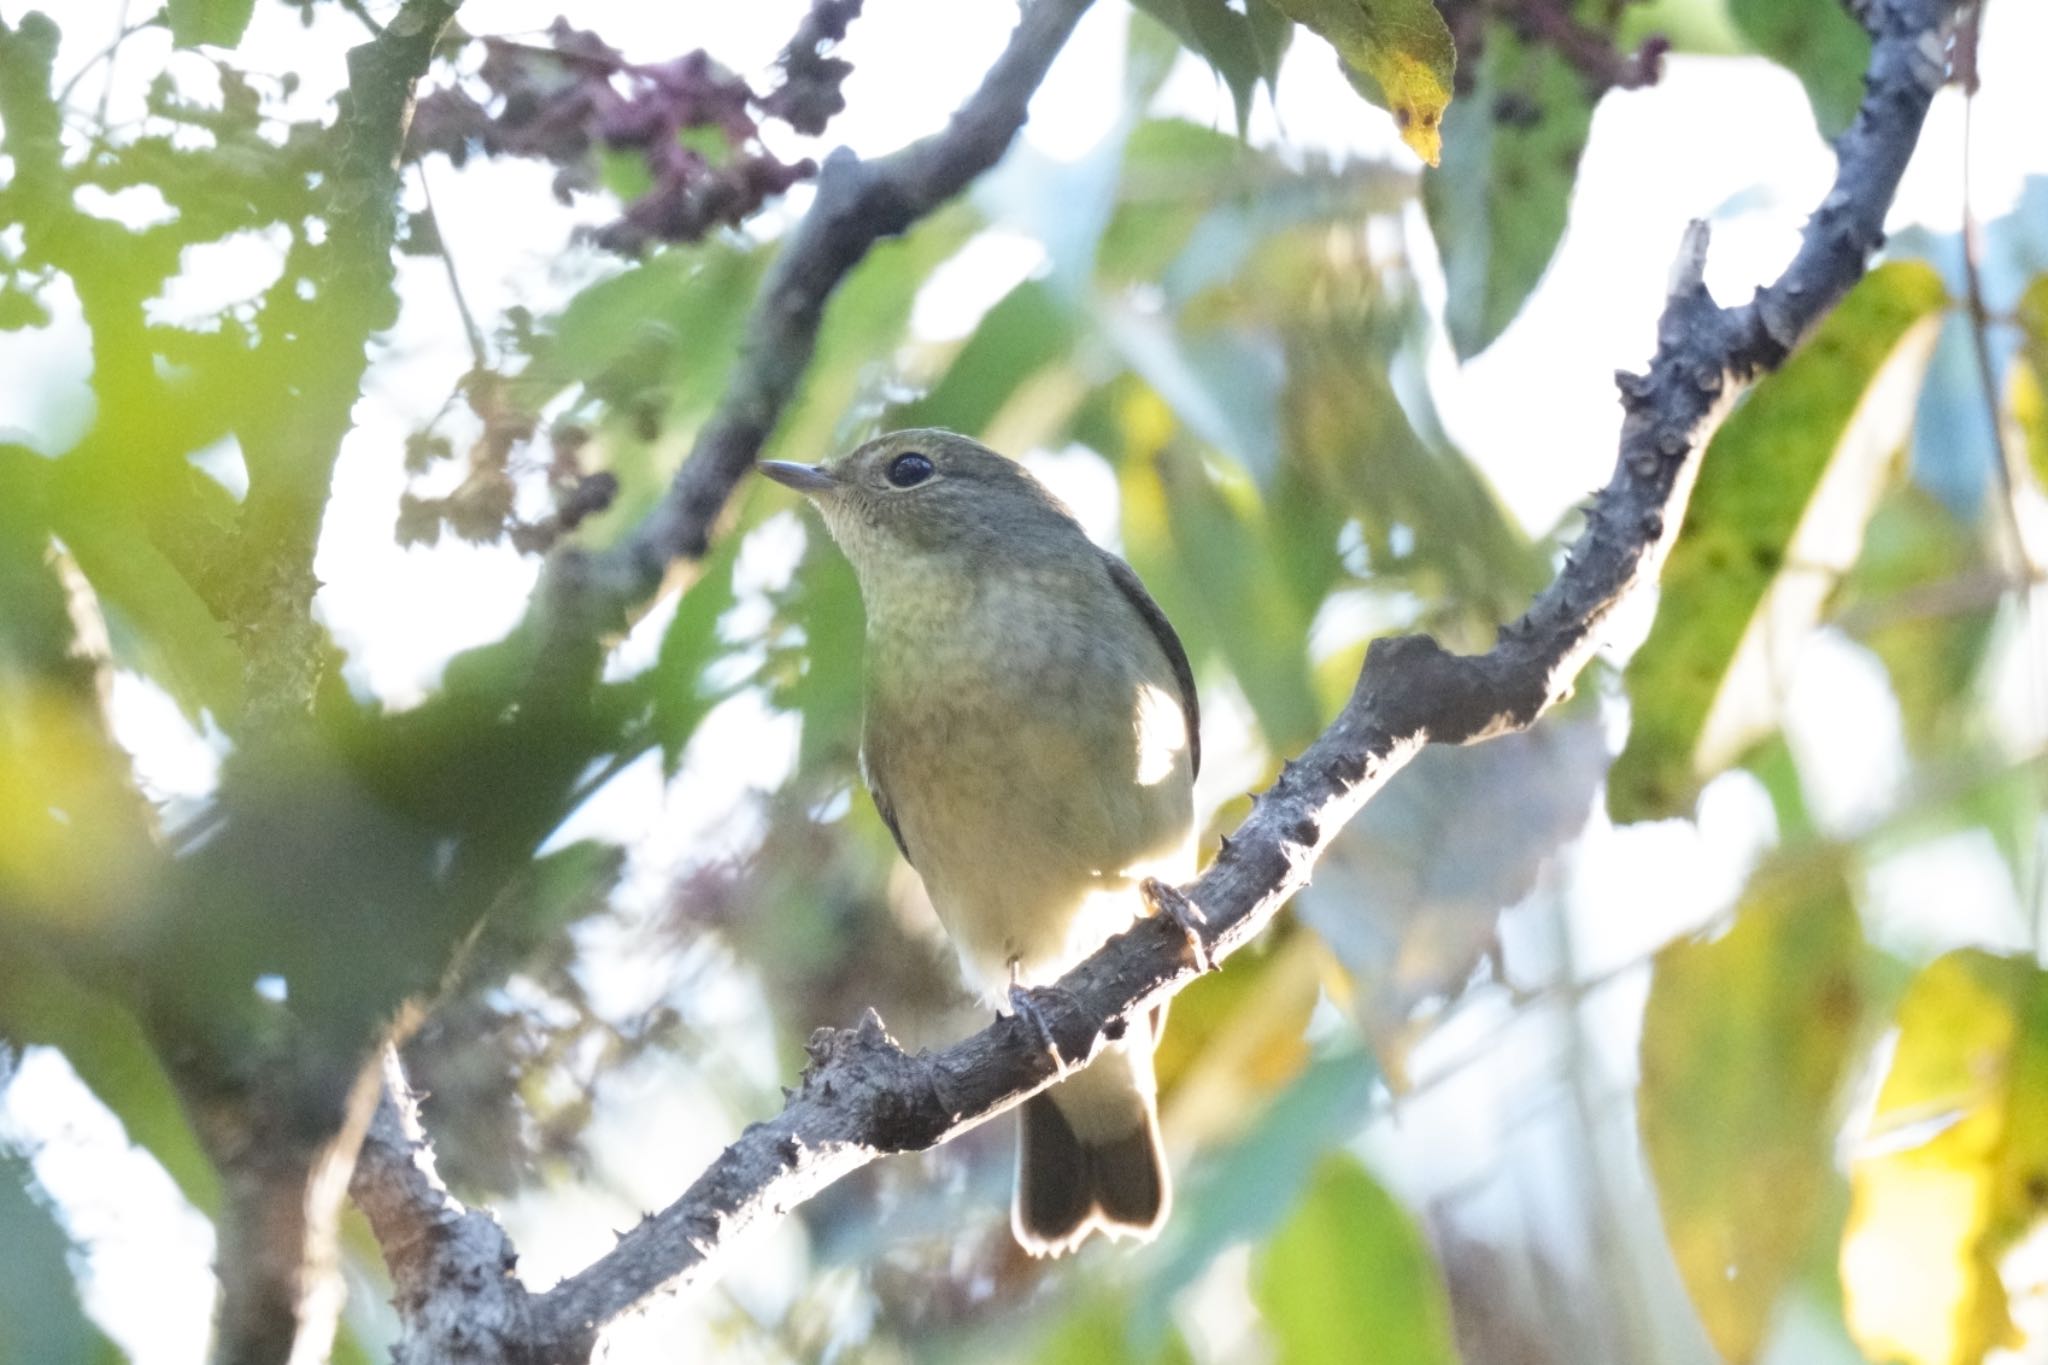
(909, 470)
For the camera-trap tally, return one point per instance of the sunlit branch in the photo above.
(451, 1266)
(863, 1097)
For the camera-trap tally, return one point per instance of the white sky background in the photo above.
(1537, 412)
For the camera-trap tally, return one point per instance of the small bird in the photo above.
(1031, 737)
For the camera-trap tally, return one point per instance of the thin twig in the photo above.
(1969, 29)
(478, 355)
(122, 34)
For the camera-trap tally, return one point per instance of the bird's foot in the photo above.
(1168, 901)
(1025, 1008)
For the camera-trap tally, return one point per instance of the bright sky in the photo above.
(1727, 140)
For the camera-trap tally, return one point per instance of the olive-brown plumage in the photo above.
(1031, 738)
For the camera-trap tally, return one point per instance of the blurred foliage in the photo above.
(1951, 1168)
(1822, 44)
(1228, 343)
(1398, 53)
(1782, 501)
(41, 1319)
(1745, 1040)
(1348, 1268)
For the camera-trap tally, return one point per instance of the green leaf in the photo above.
(624, 174)
(215, 23)
(865, 321)
(1215, 574)
(1497, 209)
(2029, 383)
(1349, 1277)
(682, 694)
(1026, 330)
(1098, 1332)
(41, 1320)
(1953, 1164)
(824, 600)
(1786, 490)
(1826, 48)
(1223, 384)
(547, 896)
(1745, 1041)
(1349, 433)
(41, 1005)
(1914, 545)
(1243, 1191)
(1244, 48)
(159, 623)
(1399, 55)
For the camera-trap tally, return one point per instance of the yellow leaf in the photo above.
(1951, 1167)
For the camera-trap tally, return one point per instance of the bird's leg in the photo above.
(1024, 1008)
(1168, 901)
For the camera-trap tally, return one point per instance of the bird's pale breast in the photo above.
(1032, 787)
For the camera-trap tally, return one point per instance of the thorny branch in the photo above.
(863, 1097)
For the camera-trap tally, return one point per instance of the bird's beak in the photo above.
(804, 478)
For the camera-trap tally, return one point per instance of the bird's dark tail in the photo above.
(1088, 1158)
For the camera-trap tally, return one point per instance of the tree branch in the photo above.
(858, 203)
(282, 1118)
(863, 1097)
(451, 1266)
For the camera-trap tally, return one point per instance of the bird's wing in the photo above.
(1133, 589)
(871, 772)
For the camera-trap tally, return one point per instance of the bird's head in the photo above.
(918, 494)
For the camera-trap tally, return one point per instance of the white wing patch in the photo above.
(1162, 734)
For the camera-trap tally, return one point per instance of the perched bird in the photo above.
(1030, 736)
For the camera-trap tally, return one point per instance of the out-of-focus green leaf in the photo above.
(214, 23)
(650, 349)
(39, 1004)
(552, 893)
(821, 679)
(864, 324)
(1826, 48)
(1700, 26)
(76, 854)
(1242, 1191)
(1745, 1040)
(1175, 173)
(1244, 44)
(1236, 1036)
(2029, 384)
(1098, 1332)
(41, 1320)
(1909, 599)
(683, 694)
(1952, 1170)
(1199, 538)
(1349, 1277)
(625, 174)
(349, 1349)
(1783, 497)
(1497, 208)
(1399, 54)
(159, 624)
(1348, 432)
(1223, 385)
(1025, 330)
